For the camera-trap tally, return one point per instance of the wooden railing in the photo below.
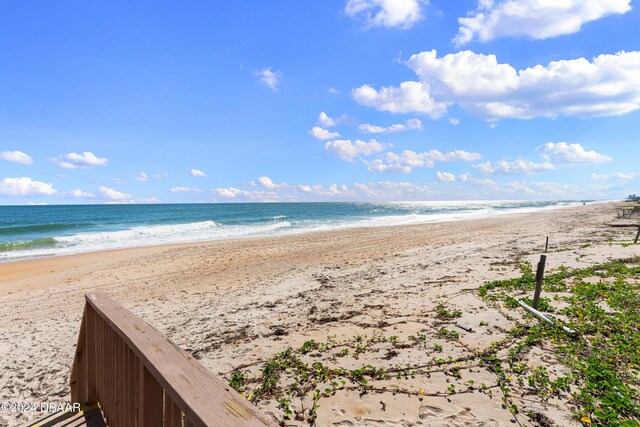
(140, 378)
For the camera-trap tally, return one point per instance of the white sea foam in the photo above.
(147, 236)
(150, 235)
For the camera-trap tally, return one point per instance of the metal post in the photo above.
(539, 279)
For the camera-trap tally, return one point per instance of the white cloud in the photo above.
(198, 173)
(81, 194)
(16, 157)
(607, 85)
(378, 165)
(617, 175)
(325, 120)
(386, 13)
(563, 153)
(411, 124)
(238, 194)
(408, 159)
(185, 190)
(267, 182)
(347, 150)
(453, 121)
(229, 192)
(387, 190)
(25, 187)
(269, 78)
(624, 176)
(445, 177)
(80, 161)
(516, 167)
(333, 91)
(142, 177)
(538, 19)
(339, 190)
(322, 134)
(114, 195)
(409, 97)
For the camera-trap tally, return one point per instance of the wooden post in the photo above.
(539, 279)
(546, 245)
(637, 235)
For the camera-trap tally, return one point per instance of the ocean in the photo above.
(41, 231)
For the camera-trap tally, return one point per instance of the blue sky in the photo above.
(142, 102)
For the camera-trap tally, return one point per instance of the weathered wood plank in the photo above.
(118, 376)
(110, 367)
(172, 414)
(152, 401)
(204, 398)
(90, 355)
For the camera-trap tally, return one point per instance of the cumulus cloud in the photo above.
(269, 78)
(409, 97)
(607, 85)
(25, 187)
(378, 165)
(445, 177)
(81, 194)
(238, 194)
(533, 18)
(453, 121)
(401, 14)
(305, 188)
(407, 160)
(267, 182)
(399, 127)
(197, 173)
(16, 157)
(563, 153)
(322, 134)
(114, 195)
(327, 121)
(347, 150)
(517, 167)
(381, 190)
(80, 161)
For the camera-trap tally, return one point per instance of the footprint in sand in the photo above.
(426, 411)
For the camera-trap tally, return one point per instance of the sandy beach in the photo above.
(235, 303)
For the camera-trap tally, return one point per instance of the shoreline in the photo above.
(440, 218)
(223, 301)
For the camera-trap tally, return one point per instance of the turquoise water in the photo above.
(35, 231)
